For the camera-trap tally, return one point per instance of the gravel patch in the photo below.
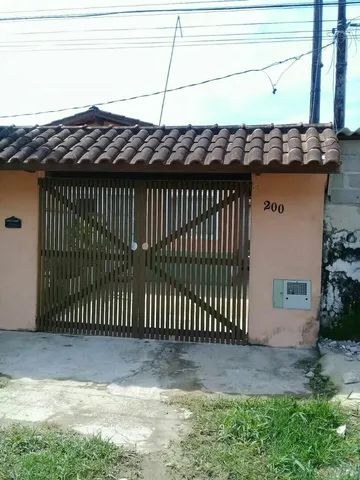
(349, 348)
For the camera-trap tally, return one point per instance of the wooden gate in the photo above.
(144, 258)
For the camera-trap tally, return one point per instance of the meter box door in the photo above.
(292, 294)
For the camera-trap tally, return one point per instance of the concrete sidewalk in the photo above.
(120, 387)
(345, 375)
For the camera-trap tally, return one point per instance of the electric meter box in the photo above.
(292, 294)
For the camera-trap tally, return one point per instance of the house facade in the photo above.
(190, 233)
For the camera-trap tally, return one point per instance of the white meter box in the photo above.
(292, 294)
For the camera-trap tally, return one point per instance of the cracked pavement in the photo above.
(119, 388)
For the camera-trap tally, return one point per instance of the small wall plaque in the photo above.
(13, 222)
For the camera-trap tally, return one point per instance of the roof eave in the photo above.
(176, 168)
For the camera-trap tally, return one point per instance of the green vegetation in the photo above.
(346, 326)
(320, 385)
(48, 453)
(280, 438)
(4, 380)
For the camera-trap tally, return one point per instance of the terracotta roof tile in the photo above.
(242, 147)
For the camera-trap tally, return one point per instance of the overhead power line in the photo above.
(186, 27)
(114, 39)
(161, 41)
(144, 41)
(179, 10)
(146, 46)
(293, 59)
(160, 4)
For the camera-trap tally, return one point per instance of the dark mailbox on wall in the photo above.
(13, 222)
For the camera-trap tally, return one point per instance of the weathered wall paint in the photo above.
(18, 250)
(288, 246)
(341, 274)
(341, 267)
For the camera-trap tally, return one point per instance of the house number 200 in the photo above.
(274, 207)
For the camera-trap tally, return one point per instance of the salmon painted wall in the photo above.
(285, 245)
(18, 250)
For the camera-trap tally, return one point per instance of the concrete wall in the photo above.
(341, 274)
(285, 246)
(18, 250)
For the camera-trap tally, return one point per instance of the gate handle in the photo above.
(134, 246)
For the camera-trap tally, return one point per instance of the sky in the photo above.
(54, 64)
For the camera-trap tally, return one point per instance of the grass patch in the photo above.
(321, 385)
(280, 438)
(48, 453)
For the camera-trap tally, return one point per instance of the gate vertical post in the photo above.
(139, 259)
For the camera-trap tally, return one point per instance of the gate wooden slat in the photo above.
(78, 201)
(62, 266)
(107, 260)
(149, 261)
(184, 321)
(187, 256)
(210, 268)
(168, 286)
(42, 227)
(119, 233)
(54, 290)
(101, 247)
(235, 271)
(219, 279)
(121, 229)
(157, 239)
(229, 231)
(47, 249)
(246, 260)
(174, 225)
(112, 264)
(203, 312)
(83, 261)
(195, 312)
(115, 288)
(105, 252)
(161, 214)
(164, 285)
(127, 227)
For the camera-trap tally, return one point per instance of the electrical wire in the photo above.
(218, 36)
(175, 89)
(147, 45)
(151, 11)
(186, 27)
(154, 41)
(122, 6)
(151, 45)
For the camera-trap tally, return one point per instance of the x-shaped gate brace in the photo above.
(102, 281)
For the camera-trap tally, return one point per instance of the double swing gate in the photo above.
(144, 258)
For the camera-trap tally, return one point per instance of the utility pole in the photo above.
(341, 66)
(315, 92)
